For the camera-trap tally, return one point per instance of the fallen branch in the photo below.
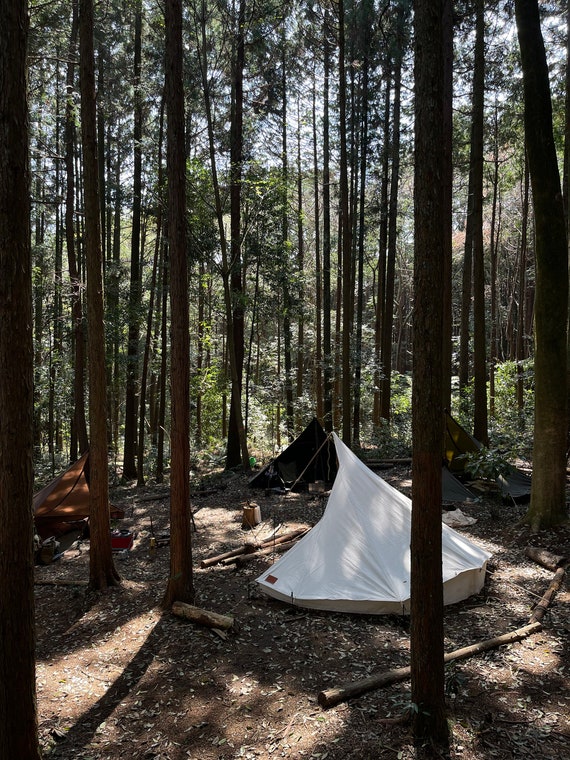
(277, 548)
(332, 697)
(204, 617)
(227, 558)
(541, 608)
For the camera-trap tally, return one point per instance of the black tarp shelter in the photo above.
(309, 458)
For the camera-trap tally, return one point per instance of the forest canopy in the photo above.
(299, 169)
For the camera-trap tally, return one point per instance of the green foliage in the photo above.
(511, 427)
(486, 464)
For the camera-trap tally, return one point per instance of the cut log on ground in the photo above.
(204, 617)
(243, 559)
(545, 558)
(332, 697)
(248, 548)
(281, 545)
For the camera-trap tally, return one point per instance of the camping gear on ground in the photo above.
(458, 443)
(122, 540)
(310, 457)
(357, 557)
(63, 504)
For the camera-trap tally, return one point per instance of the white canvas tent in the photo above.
(357, 557)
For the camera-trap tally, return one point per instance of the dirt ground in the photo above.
(118, 677)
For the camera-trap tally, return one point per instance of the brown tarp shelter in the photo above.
(63, 503)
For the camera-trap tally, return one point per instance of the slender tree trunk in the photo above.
(300, 266)
(327, 342)
(495, 225)
(102, 572)
(319, 394)
(18, 715)
(382, 253)
(480, 423)
(521, 313)
(236, 433)
(79, 424)
(447, 138)
(180, 585)
(426, 614)
(154, 296)
(346, 240)
(547, 502)
(388, 320)
(135, 289)
(233, 354)
(285, 262)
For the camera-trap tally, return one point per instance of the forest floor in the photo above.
(117, 676)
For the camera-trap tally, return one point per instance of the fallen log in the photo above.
(541, 608)
(332, 697)
(204, 617)
(545, 558)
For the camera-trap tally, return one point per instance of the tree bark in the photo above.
(180, 585)
(327, 342)
(18, 716)
(135, 288)
(102, 572)
(480, 426)
(426, 640)
(547, 503)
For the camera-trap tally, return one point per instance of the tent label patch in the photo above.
(271, 579)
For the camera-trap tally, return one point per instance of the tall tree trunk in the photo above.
(327, 342)
(319, 393)
(426, 613)
(547, 502)
(154, 299)
(480, 424)
(300, 265)
(233, 354)
(180, 585)
(346, 239)
(447, 138)
(79, 423)
(135, 289)
(494, 238)
(102, 572)
(388, 320)
(236, 433)
(521, 312)
(285, 262)
(364, 98)
(382, 254)
(18, 715)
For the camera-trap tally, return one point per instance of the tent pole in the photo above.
(310, 462)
